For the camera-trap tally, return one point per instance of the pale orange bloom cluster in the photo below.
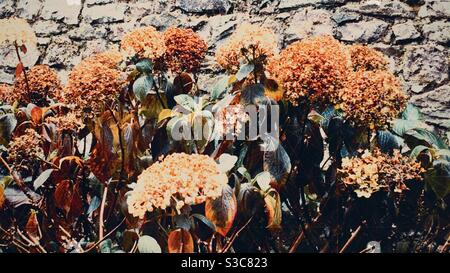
(184, 50)
(372, 98)
(16, 30)
(313, 69)
(251, 40)
(366, 58)
(66, 123)
(177, 180)
(6, 94)
(375, 171)
(25, 150)
(231, 120)
(144, 42)
(94, 83)
(44, 85)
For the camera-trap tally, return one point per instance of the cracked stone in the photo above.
(425, 65)
(345, 17)
(47, 28)
(384, 8)
(97, 2)
(108, 13)
(61, 10)
(438, 31)
(6, 8)
(309, 22)
(117, 31)
(86, 32)
(435, 104)
(28, 9)
(405, 31)
(440, 9)
(363, 32)
(160, 21)
(62, 52)
(204, 6)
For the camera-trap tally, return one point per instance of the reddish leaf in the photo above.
(23, 48)
(62, 195)
(221, 211)
(36, 114)
(273, 210)
(76, 203)
(180, 241)
(183, 83)
(19, 69)
(32, 227)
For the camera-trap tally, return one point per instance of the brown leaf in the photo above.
(19, 69)
(32, 227)
(2, 196)
(36, 114)
(63, 195)
(222, 210)
(273, 210)
(183, 83)
(180, 241)
(24, 49)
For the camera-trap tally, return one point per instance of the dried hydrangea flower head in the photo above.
(66, 123)
(314, 69)
(375, 171)
(94, 83)
(366, 58)
(7, 96)
(144, 42)
(25, 150)
(15, 30)
(177, 180)
(230, 120)
(185, 50)
(244, 41)
(372, 98)
(44, 84)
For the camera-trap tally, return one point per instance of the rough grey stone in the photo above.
(28, 9)
(363, 32)
(435, 108)
(309, 22)
(46, 28)
(439, 8)
(218, 28)
(87, 31)
(382, 8)
(405, 31)
(61, 10)
(6, 77)
(62, 52)
(437, 31)
(97, 2)
(293, 4)
(345, 17)
(160, 22)
(425, 65)
(6, 8)
(117, 31)
(108, 13)
(204, 6)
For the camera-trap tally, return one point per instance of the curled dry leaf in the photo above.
(180, 241)
(222, 210)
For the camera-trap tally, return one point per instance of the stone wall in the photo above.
(415, 34)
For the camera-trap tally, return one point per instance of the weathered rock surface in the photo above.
(363, 32)
(202, 6)
(405, 31)
(438, 31)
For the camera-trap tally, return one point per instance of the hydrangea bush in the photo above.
(114, 156)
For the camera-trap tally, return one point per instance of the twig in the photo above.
(235, 235)
(23, 66)
(347, 244)
(301, 236)
(367, 249)
(106, 236)
(102, 212)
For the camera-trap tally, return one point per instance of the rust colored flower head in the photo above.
(94, 83)
(313, 69)
(248, 40)
(374, 171)
(185, 50)
(7, 96)
(144, 42)
(66, 123)
(15, 30)
(177, 180)
(372, 98)
(366, 58)
(43, 83)
(25, 150)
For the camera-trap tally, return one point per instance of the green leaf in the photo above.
(401, 126)
(105, 246)
(142, 87)
(417, 150)
(95, 204)
(424, 137)
(388, 141)
(438, 178)
(253, 94)
(148, 244)
(186, 101)
(203, 219)
(263, 179)
(8, 123)
(276, 161)
(219, 88)
(244, 71)
(144, 66)
(42, 178)
(411, 113)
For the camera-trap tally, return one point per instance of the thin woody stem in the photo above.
(24, 70)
